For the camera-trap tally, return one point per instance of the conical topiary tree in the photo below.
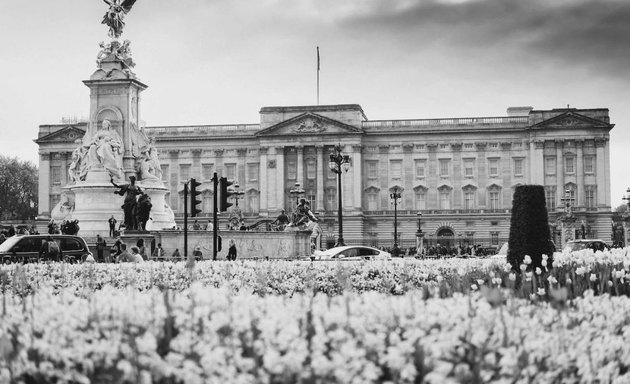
(529, 227)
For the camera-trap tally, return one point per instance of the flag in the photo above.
(318, 58)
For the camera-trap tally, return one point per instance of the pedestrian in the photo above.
(142, 250)
(50, 250)
(100, 247)
(196, 226)
(112, 226)
(176, 254)
(210, 226)
(158, 253)
(116, 249)
(197, 253)
(124, 256)
(135, 254)
(232, 251)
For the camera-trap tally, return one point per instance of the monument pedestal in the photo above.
(95, 202)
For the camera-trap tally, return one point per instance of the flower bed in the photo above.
(209, 335)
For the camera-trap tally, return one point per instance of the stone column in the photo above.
(606, 185)
(280, 194)
(347, 179)
(63, 173)
(264, 206)
(559, 172)
(602, 169)
(300, 165)
(409, 176)
(579, 160)
(357, 165)
(537, 162)
(43, 194)
(319, 149)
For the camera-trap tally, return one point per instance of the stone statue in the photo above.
(78, 167)
(115, 51)
(130, 191)
(105, 150)
(142, 211)
(115, 15)
(149, 168)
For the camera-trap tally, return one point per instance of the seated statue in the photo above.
(78, 167)
(105, 150)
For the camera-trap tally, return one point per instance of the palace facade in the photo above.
(458, 172)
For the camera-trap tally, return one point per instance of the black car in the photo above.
(25, 248)
(580, 244)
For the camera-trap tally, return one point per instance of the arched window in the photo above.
(470, 194)
(420, 197)
(494, 197)
(372, 195)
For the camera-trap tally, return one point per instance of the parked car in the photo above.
(352, 252)
(578, 245)
(25, 248)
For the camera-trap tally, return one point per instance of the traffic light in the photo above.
(225, 194)
(194, 202)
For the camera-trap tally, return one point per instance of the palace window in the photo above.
(468, 146)
(311, 200)
(396, 169)
(331, 199)
(291, 170)
(569, 164)
(55, 174)
(444, 167)
(311, 169)
(253, 201)
(420, 168)
(550, 198)
(589, 196)
(207, 171)
(420, 200)
(493, 167)
(252, 171)
(469, 198)
(184, 172)
(372, 199)
(469, 167)
(518, 167)
(494, 238)
(589, 164)
(372, 169)
(445, 198)
(550, 165)
(165, 170)
(494, 195)
(570, 194)
(230, 171)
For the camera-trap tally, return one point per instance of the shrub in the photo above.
(529, 228)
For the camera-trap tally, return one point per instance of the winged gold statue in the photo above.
(115, 15)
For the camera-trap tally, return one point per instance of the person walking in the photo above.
(100, 247)
(124, 256)
(112, 226)
(50, 250)
(158, 253)
(141, 249)
(232, 251)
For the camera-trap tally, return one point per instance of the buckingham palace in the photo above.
(456, 175)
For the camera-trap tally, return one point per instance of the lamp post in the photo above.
(567, 219)
(419, 237)
(236, 193)
(337, 162)
(395, 195)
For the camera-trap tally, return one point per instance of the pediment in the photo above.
(572, 120)
(309, 124)
(67, 134)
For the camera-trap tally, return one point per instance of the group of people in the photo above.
(120, 252)
(21, 230)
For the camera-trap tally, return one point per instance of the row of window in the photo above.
(444, 168)
(445, 199)
(569, 164)
(570, 196)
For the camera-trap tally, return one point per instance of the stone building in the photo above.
(458, 172)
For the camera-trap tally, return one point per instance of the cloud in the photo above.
(587, 34)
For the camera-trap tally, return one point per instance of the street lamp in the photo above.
(236, 193)
(419, 236)
(337, 162)
(296, 192)
(395, 195)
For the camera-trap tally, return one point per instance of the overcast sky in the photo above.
(220, 61)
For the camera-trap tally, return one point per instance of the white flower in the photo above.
(551, 279)
(580, 271)
(569, 281)
(523, 267)
(507, 267)
(527, 260)
(474, 287)
(512, 276)
(545, 257)
(541, 291)
(480, 281)
(544, 262)
(538, 271)
(593, 277)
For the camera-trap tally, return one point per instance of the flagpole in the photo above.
(318, 75)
